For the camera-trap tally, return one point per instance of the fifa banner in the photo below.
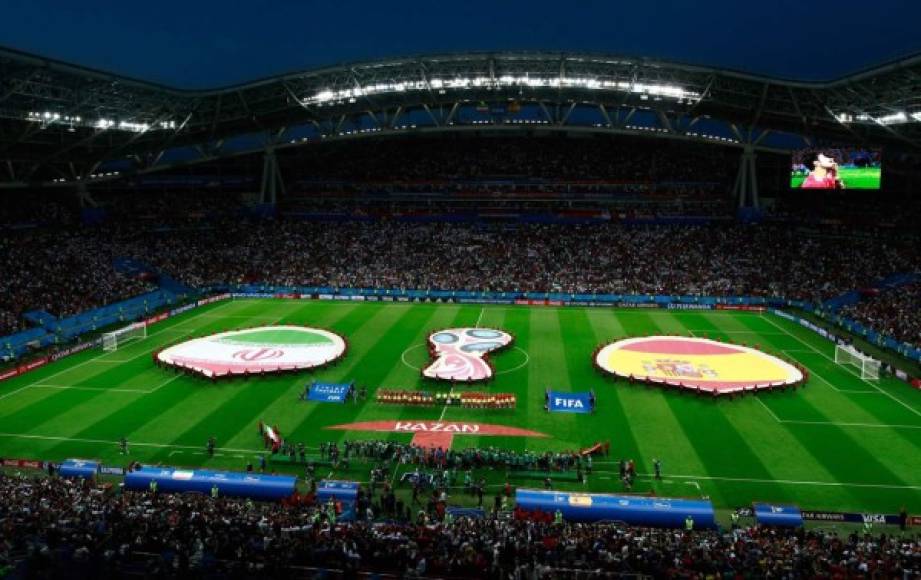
(638, 511)
(788, 516)
(329, 392)
(570, 402)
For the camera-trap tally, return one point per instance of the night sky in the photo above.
(198, 43)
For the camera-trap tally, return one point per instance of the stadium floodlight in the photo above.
(897, 118)
(328, 95)
(893, 119)
(112, 340)
(846, 354)
(50, 117)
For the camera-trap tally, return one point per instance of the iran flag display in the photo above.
(264, 349)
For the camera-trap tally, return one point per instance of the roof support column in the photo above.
(84, 197)
(272, 181)
(745, 190)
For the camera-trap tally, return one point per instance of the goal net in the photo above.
(112, 340)
(846, 354)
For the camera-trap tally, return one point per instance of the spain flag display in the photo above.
(696, 363)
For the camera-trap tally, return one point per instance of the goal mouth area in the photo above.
(847, 354)
(696, 364)
(254, 351)
(111, 341)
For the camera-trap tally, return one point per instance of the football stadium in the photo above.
(510, 314)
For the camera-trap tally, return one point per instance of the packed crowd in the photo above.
(608, 258)
(53, 527)
(60, 272)
(893, 312)
(68, 271)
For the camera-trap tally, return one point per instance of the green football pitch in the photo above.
(839, 443)
(853, 178)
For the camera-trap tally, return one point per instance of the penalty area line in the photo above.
(817, 351)
(826, 381)
(834, 423)
(106, 389)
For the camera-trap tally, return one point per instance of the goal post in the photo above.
(846, 354)
(112, 340)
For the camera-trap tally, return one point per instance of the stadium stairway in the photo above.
(39, 317)
(136, 269)
(853, 297)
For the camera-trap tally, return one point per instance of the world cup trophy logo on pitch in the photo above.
(460, 353)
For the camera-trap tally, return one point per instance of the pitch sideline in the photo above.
(643, 475)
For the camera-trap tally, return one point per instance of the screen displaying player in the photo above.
(836, 168)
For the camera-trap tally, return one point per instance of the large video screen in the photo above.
(836, 168)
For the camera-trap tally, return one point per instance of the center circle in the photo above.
(524, 363)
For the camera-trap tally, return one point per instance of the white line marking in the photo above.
(768, 409)
(826, 381)
(480, 317)
(795, 482)
(644, 475)
(98, 359)
(166, 382)
(63, 388)
(11, 393)
(132, 443)
(720, 331)
(834, 423)
(888, 394)
(107, 389)
(837, 424)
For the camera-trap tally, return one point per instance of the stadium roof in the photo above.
(61, 123)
